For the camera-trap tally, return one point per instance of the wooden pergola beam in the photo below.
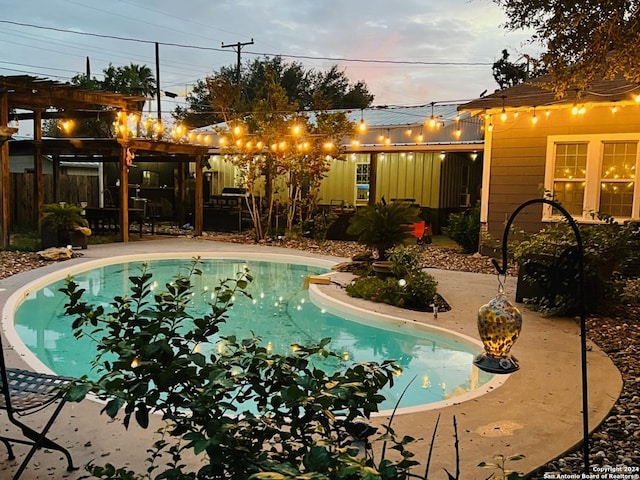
(41, 96)
(31, 93)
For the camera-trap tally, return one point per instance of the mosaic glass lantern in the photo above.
(499, 324)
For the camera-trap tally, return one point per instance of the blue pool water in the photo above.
(279, 312)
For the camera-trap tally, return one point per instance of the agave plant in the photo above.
(384, 225)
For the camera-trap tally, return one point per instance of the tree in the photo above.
(508, 74)
(130, 79)
(275, 144)
(584, 39)
(309, 89)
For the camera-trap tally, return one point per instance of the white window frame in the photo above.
(595, 149)
(357, 200)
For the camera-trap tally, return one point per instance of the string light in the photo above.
(432, 118)
(362, 127)
(534, 118)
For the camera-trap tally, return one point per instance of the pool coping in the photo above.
(535, 413)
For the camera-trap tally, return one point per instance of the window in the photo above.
(362, 182)
(588, 174)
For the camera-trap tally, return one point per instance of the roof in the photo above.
(534, 94)
(388, 116)
(30, 93)
(390, 127)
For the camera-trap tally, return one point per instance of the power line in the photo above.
(305, 57)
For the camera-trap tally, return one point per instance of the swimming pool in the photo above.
(280, 312)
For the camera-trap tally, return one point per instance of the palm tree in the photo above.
(384, 225)
(132, 79)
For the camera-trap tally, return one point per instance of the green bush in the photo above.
(388, 290)
(606, 248)
(464, 229)
(24, 242)
(410, 287)
(305, 421)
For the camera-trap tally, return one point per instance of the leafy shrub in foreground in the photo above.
(304, 421)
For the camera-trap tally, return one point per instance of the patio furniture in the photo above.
(23, 393)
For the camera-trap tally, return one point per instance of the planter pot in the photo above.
(50, 238)
(382, 269)
(78, 240)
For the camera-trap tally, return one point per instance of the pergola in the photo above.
(51, 99)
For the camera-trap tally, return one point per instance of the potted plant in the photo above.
(62, 225)
(384, 225)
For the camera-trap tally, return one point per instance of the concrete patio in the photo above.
(536, 412)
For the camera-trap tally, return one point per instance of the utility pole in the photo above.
(237, 47)
(158, 81)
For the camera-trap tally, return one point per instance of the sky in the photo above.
(447, 46)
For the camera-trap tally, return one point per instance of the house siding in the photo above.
(518, 155)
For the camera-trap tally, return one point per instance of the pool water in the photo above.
(437, 367)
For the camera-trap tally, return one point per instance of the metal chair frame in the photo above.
(23, 393)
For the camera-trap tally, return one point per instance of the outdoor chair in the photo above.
(24, 392)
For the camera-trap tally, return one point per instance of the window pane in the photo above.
(618, 178)
(619, 161)
(362, 192)
(616, 198)
(570, 195)
(571, 160)
(362, 173)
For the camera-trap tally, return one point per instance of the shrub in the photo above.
(24, 242)
(464, 229)
(388, 290)
(305, 421)
(411, 287)
(605, 249)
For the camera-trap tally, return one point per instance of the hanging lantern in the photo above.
(499, 324)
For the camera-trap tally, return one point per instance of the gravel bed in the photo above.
(616, 443)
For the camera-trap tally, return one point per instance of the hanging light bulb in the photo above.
(503, 115)
(362, 126)
(534, 119)
(432, 118)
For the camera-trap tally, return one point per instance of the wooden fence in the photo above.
(71, 189)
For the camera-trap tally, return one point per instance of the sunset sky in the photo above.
(408, 52)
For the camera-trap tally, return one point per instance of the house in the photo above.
(430, 155)
(582, 148)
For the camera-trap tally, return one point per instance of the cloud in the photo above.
(431, 31)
